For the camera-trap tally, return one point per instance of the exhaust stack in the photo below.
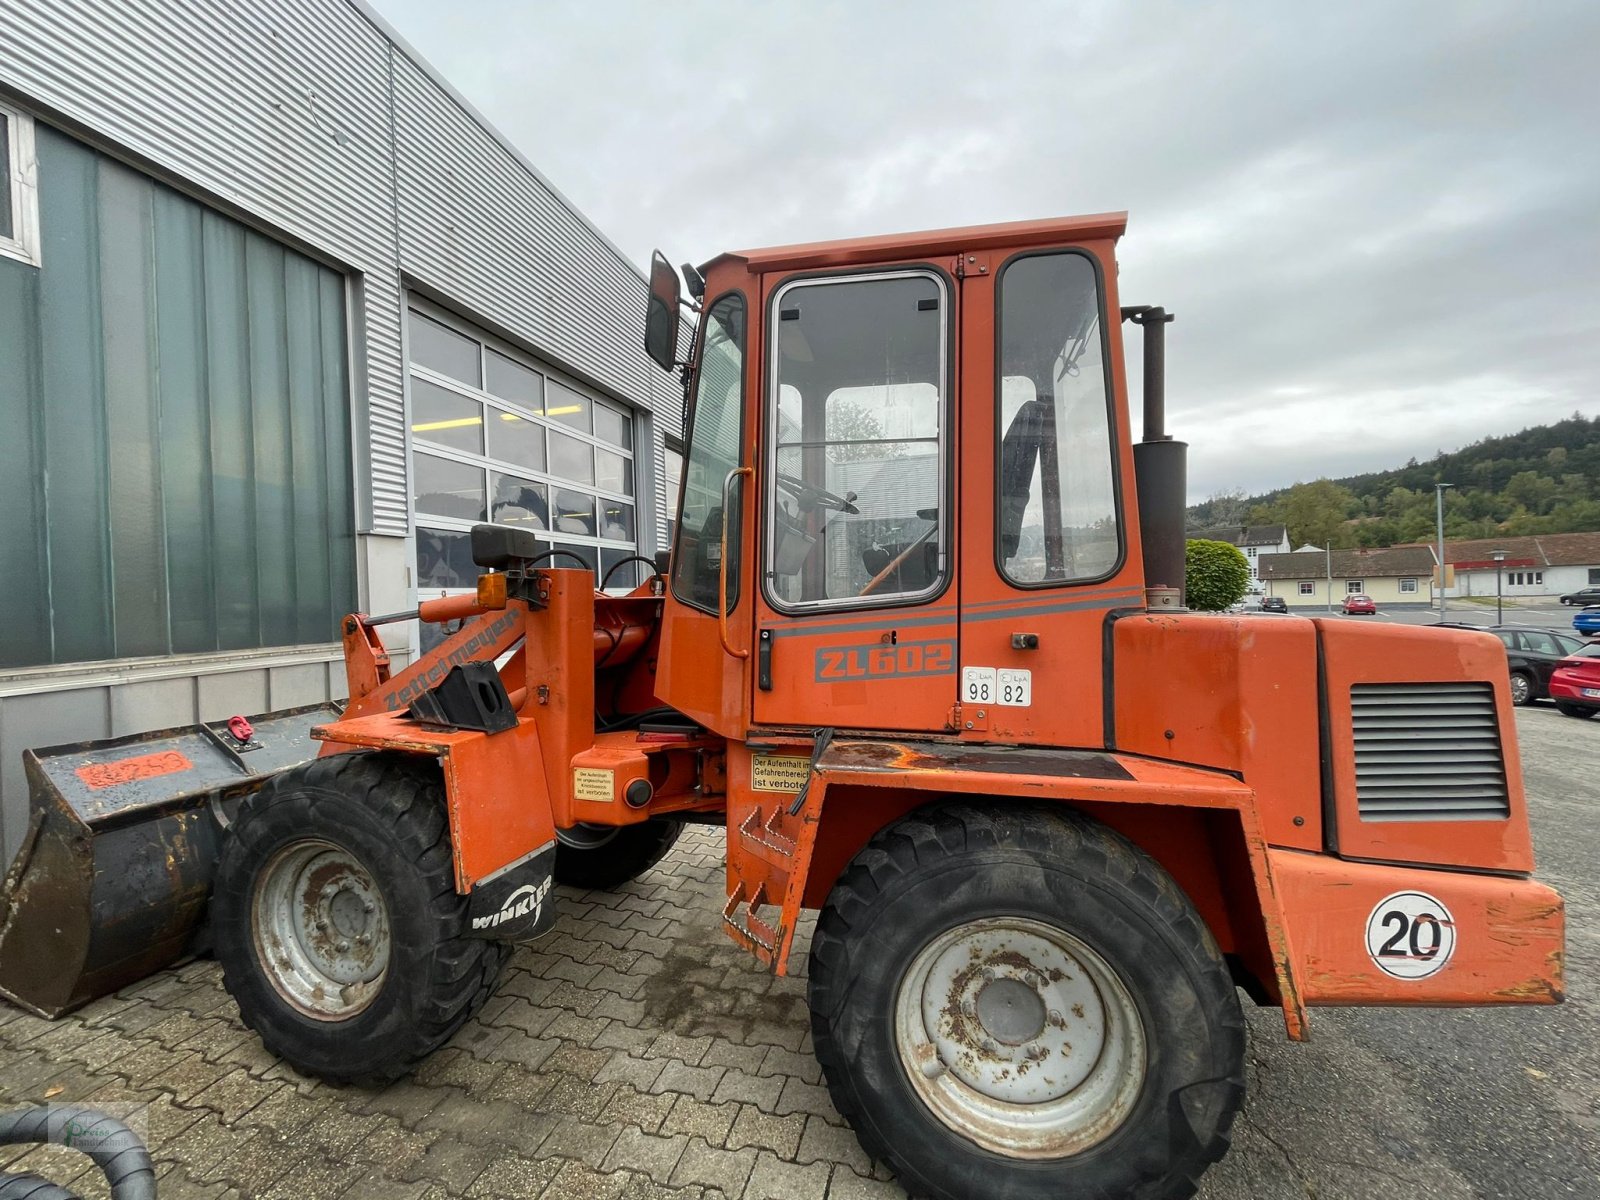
(1161, 469)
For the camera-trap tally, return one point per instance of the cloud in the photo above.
(1376, 223)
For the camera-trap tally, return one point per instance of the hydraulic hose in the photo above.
(115, 1149)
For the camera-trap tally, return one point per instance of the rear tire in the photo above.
(337, 923)
(1582, 712)
(601, 857)
(1522, 688)
(1082, 939)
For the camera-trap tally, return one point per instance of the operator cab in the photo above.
(904, 478)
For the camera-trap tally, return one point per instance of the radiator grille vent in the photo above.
(1428, 752)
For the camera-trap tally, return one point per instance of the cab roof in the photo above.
(929, 243)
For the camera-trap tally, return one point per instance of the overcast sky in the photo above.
(1377, 223)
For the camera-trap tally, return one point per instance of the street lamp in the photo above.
(1499, 557)
(1438, 490)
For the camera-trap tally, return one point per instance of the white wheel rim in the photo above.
(1519, 688)
(321, 929)
(1020, 1037)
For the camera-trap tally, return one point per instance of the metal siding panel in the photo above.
(284, 111)
(49, 719)
(475, 224)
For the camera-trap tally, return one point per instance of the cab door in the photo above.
(856, 618)
(1050, 549)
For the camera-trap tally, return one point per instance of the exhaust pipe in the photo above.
(1161, 470)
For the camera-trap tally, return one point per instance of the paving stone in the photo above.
(724, 1053)
(847, 1185)
(753, 1127)
(630, 1107)
(234, 1094)
(775, 1180)
(779, 1061)
(324, 1178)
(699, 1082)
(642, 1187)
(374, 1185)
(577, 1061)
(456, 1068)
(519, 1013)
(257, 1162)
(712, 1166)
(570, 1027)
(762, 1091)
(708, 1121)
(562, 967)
(637, 1072)
(405, 1100)
(577, 1181)
(576, 1097)
(486, 1122)
(187, 1075)
(618, 1036)
(800, 1096)
(569, 995)
(688, 1050)
(514, 1177)
(647, 1153)
(392, 1147)
(572, 1138)
(452, 1163)
(823, 1142)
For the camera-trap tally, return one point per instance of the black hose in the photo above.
(115, 1149)
(577, 558)
(32, 1187)
(622, 562)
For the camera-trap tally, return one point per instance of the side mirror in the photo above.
(661, 317)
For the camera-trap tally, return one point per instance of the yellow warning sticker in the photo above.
(778, 773)
(591, 783)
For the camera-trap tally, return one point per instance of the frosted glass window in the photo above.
(179, 477)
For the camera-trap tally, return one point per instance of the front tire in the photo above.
(1018, 1002)
(337, 923)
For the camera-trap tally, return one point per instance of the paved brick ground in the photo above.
(635, 1053)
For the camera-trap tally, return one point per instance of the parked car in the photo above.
(1583, 596)
(1588, 621)
(1274, 604)
(1575, 684)
(1360, 603)
(1532, 655)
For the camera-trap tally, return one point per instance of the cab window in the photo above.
(1057, 502)
(856, 418)
(716, 437)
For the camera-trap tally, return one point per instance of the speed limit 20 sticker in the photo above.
(1411, 935)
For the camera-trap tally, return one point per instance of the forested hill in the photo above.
(1543, 480)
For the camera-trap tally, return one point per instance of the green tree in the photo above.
(1216, 574)
(1316, 512)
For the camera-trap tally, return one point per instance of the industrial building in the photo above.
(281, 317)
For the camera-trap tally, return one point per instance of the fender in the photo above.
(776, 855)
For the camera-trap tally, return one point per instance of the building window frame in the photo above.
(488, 464)
(1408, 587)
(1355, 587)
(1308, 588)
(22, 188)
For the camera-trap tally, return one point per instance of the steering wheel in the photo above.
(814, 497)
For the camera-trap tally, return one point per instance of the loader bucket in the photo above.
(114, 873)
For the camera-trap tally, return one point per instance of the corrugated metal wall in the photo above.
(312, 121)
(295, 112)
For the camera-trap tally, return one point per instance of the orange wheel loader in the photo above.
(920, 646)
